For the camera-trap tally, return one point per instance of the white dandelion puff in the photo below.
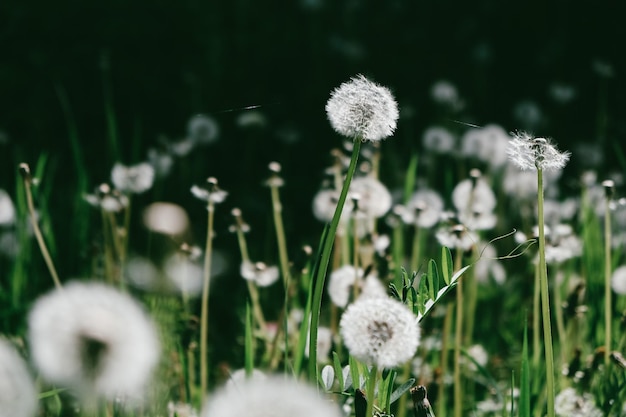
(530, 153)
(134, 179)
(380, 331)
(275, 396)
(474, 195)
(362, 109)
(202, 129)
(262, 275)
(325, 203)
(166, 218)
(18, 397)
(7, 209)
(438, 139)
(457, 236)
(374, 198)
(213, 194)
(94, 339)
(568, 403)
(618, 280)
(423, 210)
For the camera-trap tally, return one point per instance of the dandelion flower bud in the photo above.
(532, 153)
(275, 396)
(380, 331)
(362, 109)
(18, 397)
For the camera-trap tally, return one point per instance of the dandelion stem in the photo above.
(607, 282)
(545, 298)
(324, 259)
(458, 339)
(280, 236)
(204, 318)
(25, 171)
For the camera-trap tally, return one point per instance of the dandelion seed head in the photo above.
(7, 209)
(202, 130)
(18, 396)
(474, 196)
(325, 203)
(530, 153)
(618, 280)
(374, 199)
(275, 396)
(438, 139)
(362, 109)
(166, 218)
(380, 331)
(423, 210)
(261, 274)
(134, 179)
(94, 339)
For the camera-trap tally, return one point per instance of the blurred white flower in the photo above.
(528, 114)
(106, 199)
(181, 410)
(141, 273)
(251, 119)
(340, 284)
(456, 237)
(530, 153)
(445, 93)
(374, 199)
(161, 161)
(167, 218)
(261, 274)
(569, 403)
(214, 194)
(488, 267)
(423, 210)
(239, 376)
(362, 109)
(275, 396)
(487, 144)
(202, 129)
(380, 331)
(474, 195)
(618, 280)
(324, 344)
(9, 244)
(562, 93)
(439, 139)
(479, 354)
(561, 243)
(94, 339)
(18, 396)
(134, 179)
(325, 204)
(185, 275)
(7, 209)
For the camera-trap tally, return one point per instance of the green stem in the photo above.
(608, 308)
(280, 236)
(40, 240)
(545, 299)
(441, 394)
(536, 323)
(204, 318)
(458, 340)
(322, 267)
(415, 253)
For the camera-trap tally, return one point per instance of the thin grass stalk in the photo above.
(608, 308)
(324, 259)
(441, 394)
(458, 339)
(371, 386)
(27, 181)
(204, 317)
(545, 299)
(560, 323)
(277, 209)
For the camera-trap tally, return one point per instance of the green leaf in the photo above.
(431, 303)
(394, 291)
(338, 370)
(395, 396)
(446, 264)
(385, 388)
(355, 373)
(304, 330)
(433, 279)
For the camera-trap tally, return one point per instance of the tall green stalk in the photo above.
(323, 261)
(458, 339)
(608, 308)
(545, 299)
(204, 317)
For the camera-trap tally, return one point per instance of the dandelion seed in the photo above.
(275, 396)
(94, 339)
(7, 209)
(530, 153)
(362, 109)
(134, 179)
(380, 331)
(18, 397)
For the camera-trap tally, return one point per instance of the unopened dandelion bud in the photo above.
(474, 174)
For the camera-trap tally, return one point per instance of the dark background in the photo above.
(156, 63)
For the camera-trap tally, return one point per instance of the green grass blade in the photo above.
(409, 180)
(524, 394)
(446, 264)
(433, 279)
(249, 343)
